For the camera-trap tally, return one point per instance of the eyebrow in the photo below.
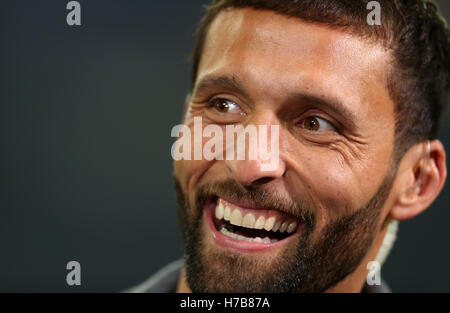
(232, 83)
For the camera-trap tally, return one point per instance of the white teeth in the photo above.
(227, 213)
(249, 221)
(292, 226)
(219, 211)
(259, 224)
(236, 218)
(267, 240)
(230, 234)
(269, 223)
(226, 232)
(283, 227)
(276, 226)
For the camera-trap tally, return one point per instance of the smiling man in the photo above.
(358, 108)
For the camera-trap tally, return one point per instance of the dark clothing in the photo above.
(166, 279)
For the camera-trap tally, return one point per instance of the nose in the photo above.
(262, 161)
(250, 172)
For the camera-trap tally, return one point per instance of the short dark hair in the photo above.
(413, 30)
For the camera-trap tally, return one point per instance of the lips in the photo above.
(249, 229)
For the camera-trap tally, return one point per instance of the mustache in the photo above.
(257, 196)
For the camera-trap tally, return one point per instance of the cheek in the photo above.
(185, 167)
(189, 172)
(335, 192)
(335, 188)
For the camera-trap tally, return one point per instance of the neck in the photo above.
(182, 286)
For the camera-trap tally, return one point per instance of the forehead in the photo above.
(274, 53)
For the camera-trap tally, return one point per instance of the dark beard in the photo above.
(306, 266)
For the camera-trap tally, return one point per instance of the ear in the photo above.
(420, 179)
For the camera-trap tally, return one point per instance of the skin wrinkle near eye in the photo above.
(348, 153)
(348, 149)
(194, 109)
(344, 162)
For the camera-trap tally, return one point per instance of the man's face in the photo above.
(326, 89)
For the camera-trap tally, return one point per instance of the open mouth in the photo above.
(250, 228)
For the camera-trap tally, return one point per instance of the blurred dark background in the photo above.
(85, 164)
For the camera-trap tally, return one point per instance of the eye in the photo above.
(225, 106)
(316, 124)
